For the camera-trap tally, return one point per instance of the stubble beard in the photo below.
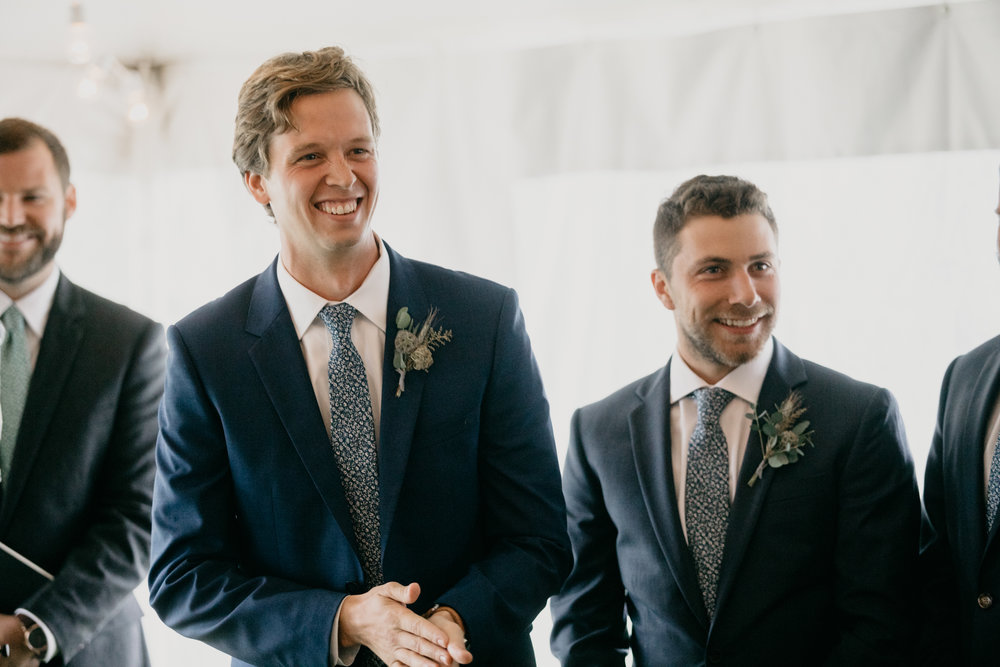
(16, 272)
(704, 344)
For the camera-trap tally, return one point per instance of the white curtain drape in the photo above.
(877, 136)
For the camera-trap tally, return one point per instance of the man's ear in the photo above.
(257, 187)
(662, 288)
(69, 201)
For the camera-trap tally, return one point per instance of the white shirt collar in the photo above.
(744, 381)
(35, 305)
(370, 299)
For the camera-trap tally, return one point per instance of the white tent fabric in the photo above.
(876, 134)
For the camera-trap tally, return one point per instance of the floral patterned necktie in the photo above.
(352, 434)
(706, 491)
(993, 489)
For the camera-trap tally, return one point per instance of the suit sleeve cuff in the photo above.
(50, 639)
(340, 657)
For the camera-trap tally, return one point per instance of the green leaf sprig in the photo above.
(782, 440)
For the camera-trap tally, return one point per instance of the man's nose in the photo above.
(744, 289)
(11, 212)
(339, 172)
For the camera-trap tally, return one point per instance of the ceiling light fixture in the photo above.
(78, 46)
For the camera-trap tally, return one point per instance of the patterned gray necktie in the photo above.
(352, 434)
(993, 489)
(706, 494)
(15, 373)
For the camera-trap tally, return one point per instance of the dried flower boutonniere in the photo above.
(785, 438)
(415, 342)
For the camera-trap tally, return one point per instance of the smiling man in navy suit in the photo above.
(720, 550)
(961, 555)
(355, 459)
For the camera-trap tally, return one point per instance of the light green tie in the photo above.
(14, 376)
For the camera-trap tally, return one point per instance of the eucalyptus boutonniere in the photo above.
(785, 439)
(414, 343)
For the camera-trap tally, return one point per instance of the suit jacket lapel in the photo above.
(650, 430)
(784, 374)
(59, 345)
(968, 460)
(399, 413)
(278, 359)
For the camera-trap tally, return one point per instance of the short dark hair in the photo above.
(266, 98)
(724, 196)
(17, 133)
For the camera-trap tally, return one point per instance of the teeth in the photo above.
(21, 236)
(338, 208)
(739, 323)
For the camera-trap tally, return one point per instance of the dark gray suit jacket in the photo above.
(960, 562)
(77, 501)
(819, 557)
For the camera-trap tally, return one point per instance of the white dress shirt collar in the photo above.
(744, 381)
(370, 299)
(35, 305)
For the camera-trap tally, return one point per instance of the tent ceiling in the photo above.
(138, 30)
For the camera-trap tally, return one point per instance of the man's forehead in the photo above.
(33, 162)
(733, 232)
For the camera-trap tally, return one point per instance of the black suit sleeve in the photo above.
(110, 556)
(878, 519)
(939, 637)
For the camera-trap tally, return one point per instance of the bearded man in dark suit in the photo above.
(724, 546)
(81, 380)
(960, 560)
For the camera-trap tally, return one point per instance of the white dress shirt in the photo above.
(35, 307)
(368, 336)
(745, 382)
(367, 331)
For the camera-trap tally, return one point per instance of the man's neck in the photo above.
(334, 276)
(706, 370)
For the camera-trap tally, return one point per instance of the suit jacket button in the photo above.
(985, 600)
(714, 657)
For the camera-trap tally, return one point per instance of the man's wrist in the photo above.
(34, 637)
(456, 619)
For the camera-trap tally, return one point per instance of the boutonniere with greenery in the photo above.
(415, 342)
(785, 439)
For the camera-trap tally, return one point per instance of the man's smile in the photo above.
(339, 207)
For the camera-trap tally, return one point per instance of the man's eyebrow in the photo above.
(306, 147)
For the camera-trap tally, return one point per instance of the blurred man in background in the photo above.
(80, 380)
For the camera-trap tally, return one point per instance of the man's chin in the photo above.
(737, 355)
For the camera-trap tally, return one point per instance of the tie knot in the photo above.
(13, 320)
(338, 318)
(711, 402)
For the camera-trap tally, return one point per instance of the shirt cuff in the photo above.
(340, 658)
(50, 639)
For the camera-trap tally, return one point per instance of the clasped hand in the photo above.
(380, 620)
(12, 636)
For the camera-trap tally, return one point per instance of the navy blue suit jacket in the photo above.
(819, 554)
(960, 562)
(253, 549)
